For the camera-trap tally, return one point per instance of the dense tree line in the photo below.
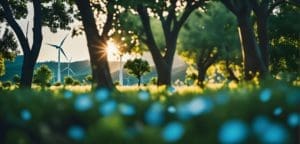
(162, 27)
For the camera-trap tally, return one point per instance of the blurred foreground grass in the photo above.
(245, 113)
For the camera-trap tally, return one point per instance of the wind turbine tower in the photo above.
(59, 49)
(68, 68)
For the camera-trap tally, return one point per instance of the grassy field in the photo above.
(245, 113)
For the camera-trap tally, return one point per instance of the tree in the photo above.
(209, 37)
(97, 43)
(137, 67)
(88, 78)
(284, 37)
(68, 80)
(8, 49)
(42, 76)
(255, 53)
(252, 57)
(16, 79)
(52, 14)
(172, 14)
(262, 10)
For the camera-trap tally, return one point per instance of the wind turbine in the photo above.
(68, 68)
(59, 49)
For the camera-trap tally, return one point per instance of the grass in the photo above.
(245, 113)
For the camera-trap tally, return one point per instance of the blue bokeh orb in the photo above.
(76, 132)
(233, 131)
(172, 132)
(102, 94)
(83, 103)
(154, 116)
(25, 114)
(127, 109)
(108, 108)
(293, 119)
(274, 134)
(144, 95)
(277, 111)
(265, 95)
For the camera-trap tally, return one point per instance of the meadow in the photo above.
(245, 113)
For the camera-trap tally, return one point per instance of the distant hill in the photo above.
(82, 69)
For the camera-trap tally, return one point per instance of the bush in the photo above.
(76, 82)
(7, 84)
(57, 84)
(68, 80)
(42, 75)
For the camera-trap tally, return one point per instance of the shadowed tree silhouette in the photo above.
(8, 49)
(16, 9)
(137, 67)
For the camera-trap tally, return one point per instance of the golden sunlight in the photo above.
(112, 51)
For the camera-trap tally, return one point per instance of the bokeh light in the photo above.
(76, 132)
(233, 131)
(144, 95)
(265, 95)
(277, 111)
(274, 134)
(108, 108)
(293, 119)
(126, 109)
(83, 103)
(102, 94)
(154, 115)
(68, 94)
(173, 132)
(25, 114)
(260, 124)
(171, 109)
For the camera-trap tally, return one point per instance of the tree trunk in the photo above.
(30, 55)
(139, 81)
(251, 60)
(96, 45)
(27, 72)
(201, 76)
(163, 74)
(263, 38)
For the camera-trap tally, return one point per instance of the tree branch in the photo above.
(188, 10)
(109, 20)
(142, 11)
(230, 6)
(37, 29)
(15, 26)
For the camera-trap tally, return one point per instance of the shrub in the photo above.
(68, 80)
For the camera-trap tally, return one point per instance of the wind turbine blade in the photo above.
(27, 30)
(53, 45)
(63, 52)
(62, 42)
(71, 71)
(64, 69)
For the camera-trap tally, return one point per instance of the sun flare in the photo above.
(112, 51)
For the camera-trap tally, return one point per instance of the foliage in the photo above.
(285, 41)
(88, 78)
(8, 49)
(137, 67)
(247, 114)
(16, 79)
(209, 36)
(68, 80)
(7, 84)
(42, 76)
